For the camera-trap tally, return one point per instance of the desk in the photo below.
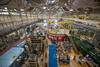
(7, 59)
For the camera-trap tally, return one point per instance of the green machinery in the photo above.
(86, 48)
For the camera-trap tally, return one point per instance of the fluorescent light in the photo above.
(44, 7)
(65, 4)
(45, 20)
(22, 9)
(71, 10)
(5, 8)
(53, 1)
(5, 13)
(15, 10)
(45, 24)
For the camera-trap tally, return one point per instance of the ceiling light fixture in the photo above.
(51, 1)
(15, 10)
(65, 4)
(71, 10)
(21, 9)
(44, 7)
(5, 8)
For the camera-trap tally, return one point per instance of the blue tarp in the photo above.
(52, 56)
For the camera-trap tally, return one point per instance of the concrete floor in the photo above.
(73, 63)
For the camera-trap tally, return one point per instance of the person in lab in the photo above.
(67, 59)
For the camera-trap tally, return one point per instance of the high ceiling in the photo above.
(53, 7)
